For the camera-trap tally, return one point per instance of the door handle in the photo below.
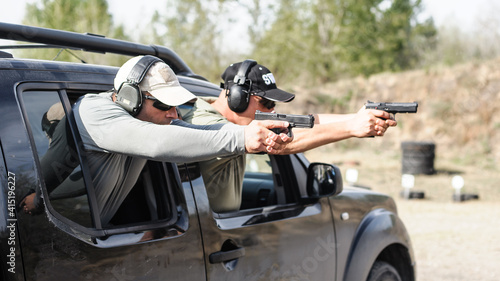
(224, 256)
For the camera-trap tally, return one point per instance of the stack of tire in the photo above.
(418, 158)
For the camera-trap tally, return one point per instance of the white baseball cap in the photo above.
(160, 81)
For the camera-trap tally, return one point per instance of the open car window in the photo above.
(269, 181)
(57, 156)
(270, 192)
(66, 187)
(259, 186)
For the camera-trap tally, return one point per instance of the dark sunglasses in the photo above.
(269, 104)
(158, 104)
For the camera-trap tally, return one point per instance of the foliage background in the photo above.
(334, 55)
(324, 40)
(305, 41)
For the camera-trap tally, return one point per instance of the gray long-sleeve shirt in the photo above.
(118, 146)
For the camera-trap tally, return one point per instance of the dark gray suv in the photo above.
(287, 228)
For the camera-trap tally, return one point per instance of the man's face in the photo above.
(156, 112)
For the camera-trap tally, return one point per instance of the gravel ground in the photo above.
(454, 241)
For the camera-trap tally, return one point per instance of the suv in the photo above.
(296, 222)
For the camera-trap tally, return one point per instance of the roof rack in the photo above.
(92, 43)
(35, 46)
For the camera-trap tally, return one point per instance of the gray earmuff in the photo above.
(129, 95)
(238, 95)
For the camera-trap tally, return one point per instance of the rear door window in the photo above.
(59, 164)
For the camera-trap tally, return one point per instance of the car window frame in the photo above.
(89, 235)
(286, 165)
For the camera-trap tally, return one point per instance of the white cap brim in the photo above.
(160, 81)
(172, 95)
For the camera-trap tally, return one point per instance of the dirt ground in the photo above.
(454, 241)
(451, 240)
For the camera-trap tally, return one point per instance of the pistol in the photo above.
(393, 107)
(298, 121)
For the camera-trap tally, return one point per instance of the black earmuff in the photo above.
(238, 95)
(129, 95)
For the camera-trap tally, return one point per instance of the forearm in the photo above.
(330, 118)
(181, 142)
(116, 132)
(320, 134)
(331, 128)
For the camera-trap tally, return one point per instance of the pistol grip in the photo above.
(278, 131)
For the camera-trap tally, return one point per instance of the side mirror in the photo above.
(323, 180)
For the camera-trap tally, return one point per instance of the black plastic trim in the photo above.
(92, 43)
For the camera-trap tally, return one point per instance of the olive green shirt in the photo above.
(223, 176)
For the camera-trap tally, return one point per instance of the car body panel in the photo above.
(368, 221)
(301, 246)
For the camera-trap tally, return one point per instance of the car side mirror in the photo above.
(323, 180)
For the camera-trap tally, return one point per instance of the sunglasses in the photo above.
(158, 104)
(269, 104)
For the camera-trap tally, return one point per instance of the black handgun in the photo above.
(299, 121)
(393, 107)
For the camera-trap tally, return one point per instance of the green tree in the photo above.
(189, 28)
(209, 34)
(286, 46)
(82, 16)
(332, 39)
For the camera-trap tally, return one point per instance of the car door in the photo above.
(274, 235)
(155, 236)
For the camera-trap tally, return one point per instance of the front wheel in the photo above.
(382, 271)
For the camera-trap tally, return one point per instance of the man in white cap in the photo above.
(249, 86)
(124, 128)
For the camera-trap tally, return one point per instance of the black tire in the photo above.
(418, 158)
(382, 271)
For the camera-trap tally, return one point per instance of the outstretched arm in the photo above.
(104, 126)
(334, 127)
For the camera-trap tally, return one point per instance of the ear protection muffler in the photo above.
(129, 95)
(238, 95)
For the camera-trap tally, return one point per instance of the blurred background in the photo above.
(336, 55)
